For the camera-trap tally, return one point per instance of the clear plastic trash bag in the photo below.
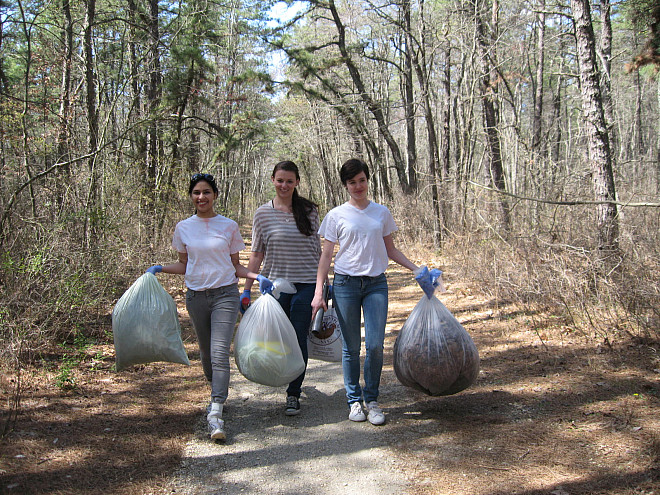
(266, 347)
(433, 353)
(145, 326)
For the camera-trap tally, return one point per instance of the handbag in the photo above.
(326, 345)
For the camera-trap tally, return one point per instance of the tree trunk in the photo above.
(421, 65)
(93, 206)
(597, 132)
(408, 98)
(153, 95)
(444, 153)
(65, 101)
(606, 72)
(488, 89)
(537, 127)
(373, 106)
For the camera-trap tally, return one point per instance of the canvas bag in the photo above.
(433, 353)
(327, 345)
(145, 326)
(266, 346)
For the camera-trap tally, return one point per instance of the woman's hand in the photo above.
(265, 285)
(318, 303)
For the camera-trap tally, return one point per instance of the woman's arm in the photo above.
(253, 266)
(179, 267)
(241, 271)
(322, 276)
(397, 256)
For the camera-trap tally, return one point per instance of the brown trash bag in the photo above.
(433, 353)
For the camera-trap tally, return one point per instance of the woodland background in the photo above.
(518, 141)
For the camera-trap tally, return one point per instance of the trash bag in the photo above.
(145, 326)
(326, 345)
(266, 347)
(433, 353)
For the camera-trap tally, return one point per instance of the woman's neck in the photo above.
(282, 205)
(206, 214)
(361, 204)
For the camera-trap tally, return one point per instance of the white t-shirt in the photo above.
(209, 242)
(359, 234)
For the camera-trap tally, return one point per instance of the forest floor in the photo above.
(552, 412)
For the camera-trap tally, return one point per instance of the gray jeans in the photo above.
(213, 313)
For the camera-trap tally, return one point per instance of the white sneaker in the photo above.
(217, 429)
(216, 424)
(375, 414)
(356, 414)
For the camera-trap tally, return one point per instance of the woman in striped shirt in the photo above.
(285, 241)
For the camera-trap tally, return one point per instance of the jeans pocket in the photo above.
(190, 295)
(340, 280)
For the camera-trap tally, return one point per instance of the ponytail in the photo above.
(302, 207)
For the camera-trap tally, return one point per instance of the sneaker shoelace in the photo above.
(291, 402)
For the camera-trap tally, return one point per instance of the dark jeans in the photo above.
(298, 308)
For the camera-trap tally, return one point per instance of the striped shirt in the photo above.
(288, 254)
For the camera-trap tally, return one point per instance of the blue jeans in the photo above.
(213, 313)
(350, 296)
(298, 308)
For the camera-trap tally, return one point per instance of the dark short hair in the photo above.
(202, 177)
(351, 168)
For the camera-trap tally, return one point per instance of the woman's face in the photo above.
(285, 182)
(202, 197)
(358, 187)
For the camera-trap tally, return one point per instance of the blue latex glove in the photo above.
(265, 285)
(428, 280)
(154, 269)
(245, 301)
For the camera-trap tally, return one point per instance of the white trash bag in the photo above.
(145, 326)
(266, 347)
(433, 353)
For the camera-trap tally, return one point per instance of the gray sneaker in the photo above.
(375, 414)
(292, 406)
(356, 414)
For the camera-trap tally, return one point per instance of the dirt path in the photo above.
(266, 452)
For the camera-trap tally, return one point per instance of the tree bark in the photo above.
(597, 132)
(606, 72)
